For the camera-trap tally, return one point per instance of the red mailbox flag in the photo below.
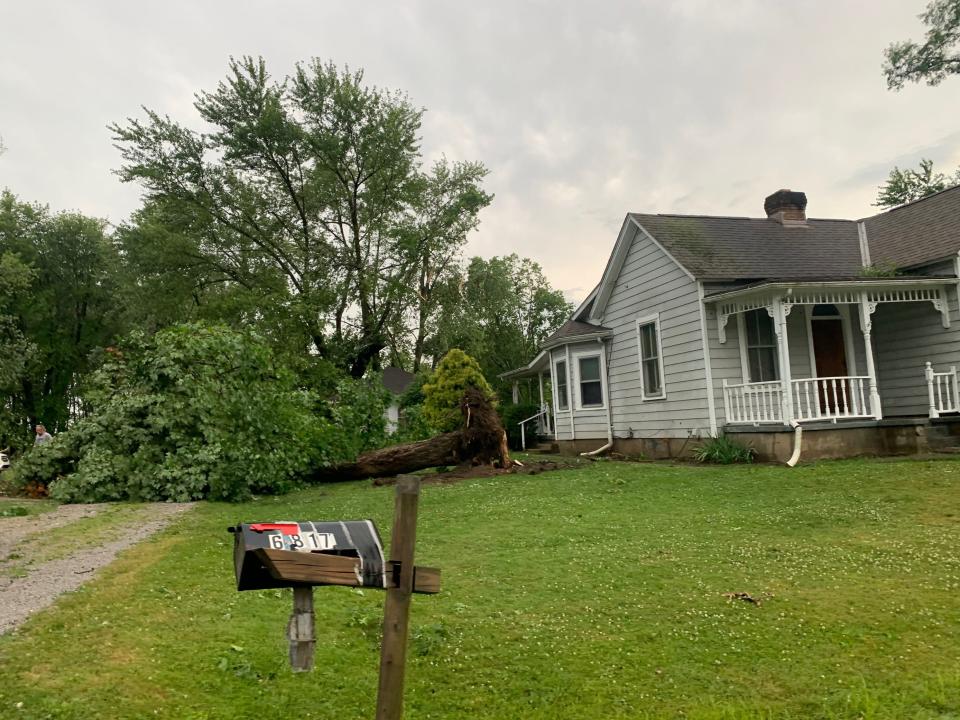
(284, 528)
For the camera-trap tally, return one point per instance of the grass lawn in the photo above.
(17, 507)
(590, 593)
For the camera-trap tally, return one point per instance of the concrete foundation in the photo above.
(896, 436)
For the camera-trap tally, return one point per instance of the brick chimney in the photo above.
(787, 208)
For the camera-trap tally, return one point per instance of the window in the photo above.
(651, 369)
(761, 346)
(562, 396)
(591, 386)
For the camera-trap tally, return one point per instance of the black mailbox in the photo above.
(290, 554)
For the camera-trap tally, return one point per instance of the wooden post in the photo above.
(396, 612)
(300, 632)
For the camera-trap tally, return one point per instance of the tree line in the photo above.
(303, 211)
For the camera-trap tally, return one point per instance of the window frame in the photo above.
(643, 322)
(745, 348)
(555, 381)
(575, 358)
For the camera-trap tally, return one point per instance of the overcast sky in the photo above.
(582, 111)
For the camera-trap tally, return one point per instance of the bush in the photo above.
(358, 412)
(511, 416)
(192, 412)
(724, 451)
(413, 426)
(413, 395)
(456, 372)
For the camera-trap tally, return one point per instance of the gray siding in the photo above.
(798, 343)
(724, 358)
(905, 337)
(649, 283)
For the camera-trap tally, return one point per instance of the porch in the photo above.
(815, 352)
(540, 424)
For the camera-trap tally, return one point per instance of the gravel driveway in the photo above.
(20, 597)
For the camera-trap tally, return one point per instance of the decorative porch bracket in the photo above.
(874, 296)
(722, 326)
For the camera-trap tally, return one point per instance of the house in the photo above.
(756, 326)
(396, 381)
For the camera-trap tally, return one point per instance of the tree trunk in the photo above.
(481, 441)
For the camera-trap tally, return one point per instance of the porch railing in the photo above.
(831, 398)
(753, 403)
(943, 391)
(543, 423)
(824, 398)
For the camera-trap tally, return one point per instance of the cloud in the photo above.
(582, 112)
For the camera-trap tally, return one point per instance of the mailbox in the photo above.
(306, 553)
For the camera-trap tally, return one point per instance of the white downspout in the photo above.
(797, 442)
(606, 376)
(570, 405)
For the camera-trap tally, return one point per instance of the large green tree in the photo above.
(499, 312)
(304, 200)
(932, 60)
(69, 308)
(445, 214)
(903, 186)
(16, 351)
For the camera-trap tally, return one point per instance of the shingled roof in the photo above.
(916, 233)
(740, 248)
(575, 328)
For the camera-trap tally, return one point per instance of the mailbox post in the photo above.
(301, 555)
(396, 610)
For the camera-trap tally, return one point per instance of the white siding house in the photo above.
(702, 325)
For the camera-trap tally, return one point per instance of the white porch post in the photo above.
(866, 325)
(544, 419)
(516, 392)
(779, 314)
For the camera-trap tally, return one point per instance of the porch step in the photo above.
(544, 448)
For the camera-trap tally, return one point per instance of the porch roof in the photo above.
(788, 286)
(541, 363)
(570, 331)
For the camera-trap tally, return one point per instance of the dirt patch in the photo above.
(20, 597)
(468, 472)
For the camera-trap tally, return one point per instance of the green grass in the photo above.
(45, 545)
(589, 593)
(18, 507)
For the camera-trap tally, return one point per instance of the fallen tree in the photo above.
(481, 441)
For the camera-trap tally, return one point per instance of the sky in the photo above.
(582, 111)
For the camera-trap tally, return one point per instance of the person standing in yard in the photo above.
(42, 435)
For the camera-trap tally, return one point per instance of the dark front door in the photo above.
(830, 355)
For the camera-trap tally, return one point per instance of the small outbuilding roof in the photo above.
(397, 380)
